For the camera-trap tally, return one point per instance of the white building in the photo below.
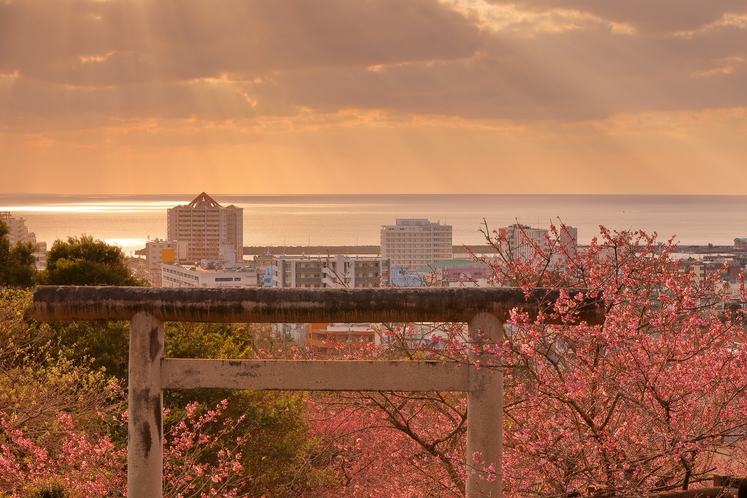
(520, 241)
(328, 272)
(207, 228)
(416, 242)
(19, 233)
(210, 273)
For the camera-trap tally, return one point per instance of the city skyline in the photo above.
(451, 96)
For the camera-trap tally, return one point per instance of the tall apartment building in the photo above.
(19, 233)
(416, 242)
(328, 272)
(210, 230)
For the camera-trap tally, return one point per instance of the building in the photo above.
(330, 339)
(327, 272)
(209, 273)
(209, 230)
(458, 273)
(416, 242)
(19, 234)
(161, 251)
(520, 241)
(447, 273)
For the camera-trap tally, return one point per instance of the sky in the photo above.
(376, 96)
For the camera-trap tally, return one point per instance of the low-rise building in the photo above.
(459, 273)
(327, 272)
(161, 251)
(330, 339)
(447, 273)
(209, 273)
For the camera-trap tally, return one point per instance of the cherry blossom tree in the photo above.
(652, 400)
(198, 461)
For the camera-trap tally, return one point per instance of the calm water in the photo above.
(356, 219)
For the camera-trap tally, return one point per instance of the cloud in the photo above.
(647, 16)
(81, 42)
(85, 64)
(509, 17)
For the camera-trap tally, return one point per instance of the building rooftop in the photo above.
(450, 263)
(204, 201)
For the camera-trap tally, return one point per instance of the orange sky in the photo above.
(379, 96)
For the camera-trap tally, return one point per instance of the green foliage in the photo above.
(50, 489)
(85, 261)
(16, 263)
(201, 340)
(38, 380)
(104, 344)
(277, 453)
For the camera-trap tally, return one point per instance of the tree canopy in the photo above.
(16, 263)
(653, 400)
(86, 261)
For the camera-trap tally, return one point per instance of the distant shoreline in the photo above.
(457, 249)
(367, 249)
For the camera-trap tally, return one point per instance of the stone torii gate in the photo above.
(484, 310)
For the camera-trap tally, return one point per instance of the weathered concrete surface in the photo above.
(484, 413)
(296, 375)
(145, 397)
(296, 305)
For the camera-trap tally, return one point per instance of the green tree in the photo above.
(85, 261)
(16, 263)
(278, 454)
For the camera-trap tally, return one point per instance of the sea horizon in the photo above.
(129, 220)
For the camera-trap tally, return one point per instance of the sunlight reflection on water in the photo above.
(349, 220)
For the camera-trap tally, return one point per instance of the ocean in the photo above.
(318, 220)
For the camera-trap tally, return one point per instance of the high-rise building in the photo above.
(416, 242)
(211, 231)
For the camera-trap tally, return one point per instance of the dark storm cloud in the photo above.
(87, 61)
